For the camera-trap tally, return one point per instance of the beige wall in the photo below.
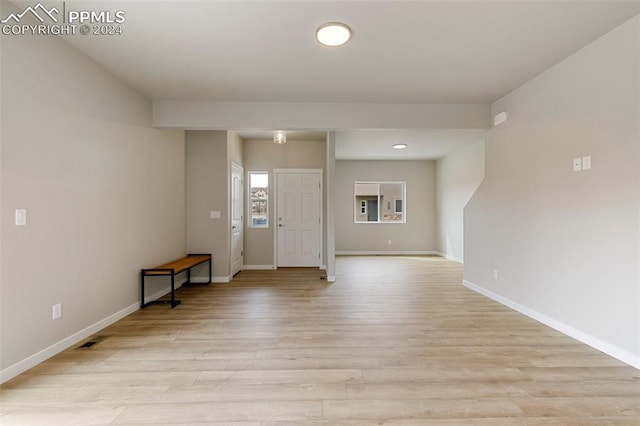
(207, 182)
(566, 244)
(261, 155)
(104, 193)
(418, 235)
(458, 176)
(235, 144)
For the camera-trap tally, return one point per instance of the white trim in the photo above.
(331, 278)
(612, 350)
(230, 213)
(222, 279)
(195, 281)
(386, 253)
(248, 207)
(320, 173)
(450, 257)
(380, 221)
(259, 267)
(39, 357)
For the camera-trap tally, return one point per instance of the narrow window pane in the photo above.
(259, 199)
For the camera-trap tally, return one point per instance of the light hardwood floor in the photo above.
(395, 341)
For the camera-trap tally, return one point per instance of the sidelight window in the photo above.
(258, 199)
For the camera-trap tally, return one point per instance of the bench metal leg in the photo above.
(173, 301)
(173, 291)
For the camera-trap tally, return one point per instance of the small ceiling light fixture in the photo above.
(400, 146)
(333, 34)
(279, 137)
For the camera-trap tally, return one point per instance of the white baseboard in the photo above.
(204, 280)
(450, 257)
(609, 349)
(35, 359)
(386, 253)
(221, 279)
(331, 278)
(259, 267)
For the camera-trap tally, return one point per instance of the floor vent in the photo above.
(94, 341)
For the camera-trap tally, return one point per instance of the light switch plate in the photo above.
(586, 162)
(57, 311)
(21, 217)
(577, 164)
(214, 214)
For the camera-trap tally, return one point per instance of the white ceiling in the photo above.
(401, 52)
(421, 144)
(428, 51)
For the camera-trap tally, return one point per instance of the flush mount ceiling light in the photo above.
(279, 137)
(333, 34)
(400, 146)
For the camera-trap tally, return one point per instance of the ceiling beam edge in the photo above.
(199, 115)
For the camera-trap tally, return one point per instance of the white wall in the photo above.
(458, 175)
(566, 244)
(417, 235)
(330, 203)
(104, 193)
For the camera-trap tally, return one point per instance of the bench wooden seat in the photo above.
(172, 269)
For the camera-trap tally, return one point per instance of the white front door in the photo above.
(237, 191)
(298, 219)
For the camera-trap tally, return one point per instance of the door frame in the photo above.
(230, 224)
(276, 173)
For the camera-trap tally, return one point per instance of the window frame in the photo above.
(357, 209)
(251, 200)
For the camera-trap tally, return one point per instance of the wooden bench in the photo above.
(172, 269)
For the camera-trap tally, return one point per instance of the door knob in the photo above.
(280, 225)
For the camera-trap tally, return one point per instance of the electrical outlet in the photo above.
(496, 275)
(57, 311)
(586, 162)
(389, 242)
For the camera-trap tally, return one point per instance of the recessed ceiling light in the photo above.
(400, 146)
(333, 34)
